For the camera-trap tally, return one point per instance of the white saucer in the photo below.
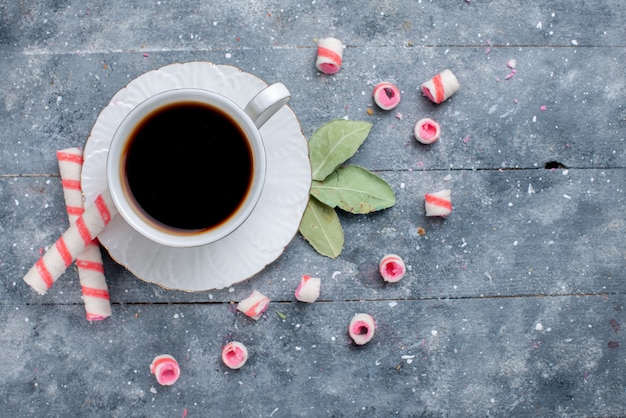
(264, 235)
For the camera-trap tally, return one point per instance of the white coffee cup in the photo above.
(186, 167)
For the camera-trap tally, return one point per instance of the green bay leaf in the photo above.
(355, 190)
(320, 226)
(333, 143)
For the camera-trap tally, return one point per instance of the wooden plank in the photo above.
(483, 127)
(496, 356)
(194, 25)
(511, 232)
(512, 306)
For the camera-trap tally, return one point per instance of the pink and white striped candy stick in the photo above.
(254, 305)
(90, 268)
(441, 87)
(73, 242)
(439, 203)
(329, 55)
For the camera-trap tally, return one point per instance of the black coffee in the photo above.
(188, 166)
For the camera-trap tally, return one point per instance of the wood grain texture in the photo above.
(512, 306)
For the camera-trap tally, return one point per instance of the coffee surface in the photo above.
(188, 166)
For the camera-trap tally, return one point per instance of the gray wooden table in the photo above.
(512, 306)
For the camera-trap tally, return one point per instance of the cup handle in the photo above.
(266, 103)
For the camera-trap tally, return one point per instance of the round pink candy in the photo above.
(392, 268)
(234, 355)
(427, 131)
(166, 370)
(386, 96)
(361, 328)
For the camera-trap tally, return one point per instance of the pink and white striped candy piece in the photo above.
(439, 203)
(90, 268)
(427, 131)
(439, 88)
(329, 55)
(254, 305)
(392, 268)
(386, 96)
(361, 328)
(166, 369)
(74, 240)
(309, 289)
(234, 355)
